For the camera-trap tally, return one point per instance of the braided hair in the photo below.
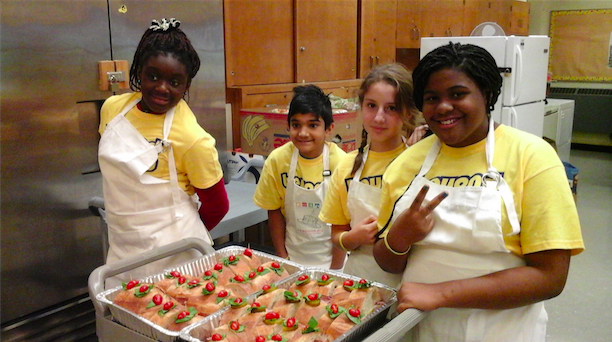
(399, 77)
(165, 38)
(310, 99)
(476, 62)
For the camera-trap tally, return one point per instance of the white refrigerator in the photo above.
(523, 64)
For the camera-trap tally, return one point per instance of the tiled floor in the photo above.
(583, 312)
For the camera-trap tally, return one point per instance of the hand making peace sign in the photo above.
(414, 223)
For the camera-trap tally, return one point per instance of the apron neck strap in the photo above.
(491, 178)
(364, 158)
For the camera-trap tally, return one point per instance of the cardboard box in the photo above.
(264, 129)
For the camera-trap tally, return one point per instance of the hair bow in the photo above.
(165, 24)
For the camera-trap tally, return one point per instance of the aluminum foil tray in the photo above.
(195, 267)
(200, 331)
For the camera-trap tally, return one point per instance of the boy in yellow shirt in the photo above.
(308, 160)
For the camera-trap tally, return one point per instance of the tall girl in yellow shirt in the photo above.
(353, 199)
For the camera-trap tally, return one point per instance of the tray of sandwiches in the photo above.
(311, 305)
(163, 304)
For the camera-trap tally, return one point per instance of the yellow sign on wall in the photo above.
(581, 45)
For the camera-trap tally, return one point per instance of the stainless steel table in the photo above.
(242, 213)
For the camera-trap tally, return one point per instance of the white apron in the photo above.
(142, 211)
(364, 200)
(467, 242)
(307, 239)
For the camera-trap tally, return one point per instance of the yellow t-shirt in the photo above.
(544, 203)
(270, 192)
(197, 160)
(335, 209)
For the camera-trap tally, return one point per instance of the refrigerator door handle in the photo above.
(513, 119)
(518, 76)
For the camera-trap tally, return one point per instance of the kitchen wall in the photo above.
(539, 23)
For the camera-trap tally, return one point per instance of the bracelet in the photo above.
(392, 250)
(340, 241)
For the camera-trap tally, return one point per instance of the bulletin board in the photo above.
(581, 45)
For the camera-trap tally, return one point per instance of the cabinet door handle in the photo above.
(371, 62)
(302, 48)
(377, 60)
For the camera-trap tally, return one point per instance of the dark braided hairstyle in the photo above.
(164, 39)
(310, 99)
(474, 61)
(399, 77)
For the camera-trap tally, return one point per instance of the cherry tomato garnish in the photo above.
(272, 315)
(157, 299)
(348, 282)
(256, 305)
(143, 288)
(218, 267)
(290, 322)
(234, 325)
(260, 269)
(216, 337)
(131, 284)
(325, 277)
(303, 277)
(168, 306)
(266, 287)
(313, 296)
(175, 274)
(252, 275)
(277, 337)
(354, 312)
(275, 265)
(181, 280)
(231, 258)
(222, 293)
(363, 281)
(238, 300)
(239, 278)
(334, 308)
(260, 339)
(194, 281)
(182, 314)
(248, 252)
(208, 273)
(210, 287)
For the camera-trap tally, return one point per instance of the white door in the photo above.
(528, 117)
(528, 58)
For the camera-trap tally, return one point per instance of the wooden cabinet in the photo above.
(446, 18)
(377, 34)
(408, 24)
(259, 45)
(519, 18)
(477, 11)
(442, 18)
(512, 16)
(285, 41)
(326, 40)
(427, 18)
